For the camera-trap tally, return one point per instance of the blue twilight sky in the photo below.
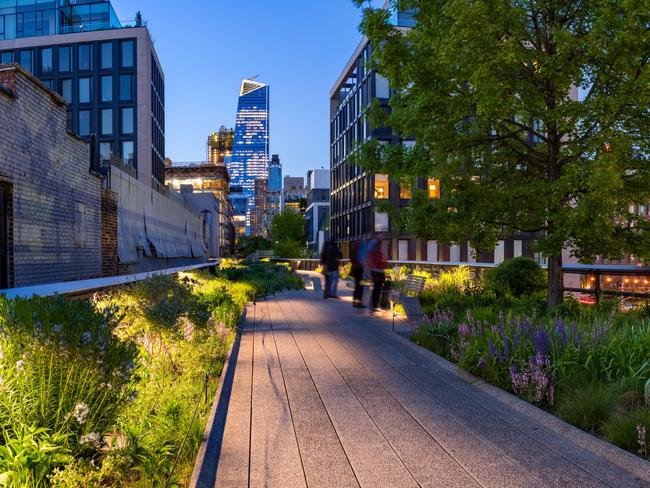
(206, 47)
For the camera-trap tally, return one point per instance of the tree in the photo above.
(247, 245)
(288, 235)
(488, 89)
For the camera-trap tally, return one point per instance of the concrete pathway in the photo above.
(323, 395)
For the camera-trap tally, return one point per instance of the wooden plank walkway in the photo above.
(325, 396)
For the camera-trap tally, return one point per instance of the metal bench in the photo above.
(408, 298)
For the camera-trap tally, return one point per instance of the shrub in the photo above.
(518, 277)
(623, 430)
(589, 407)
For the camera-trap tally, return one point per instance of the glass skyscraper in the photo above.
(250, 154)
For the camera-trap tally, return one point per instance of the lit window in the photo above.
(381, 187)
(434, 189)
(405, 188)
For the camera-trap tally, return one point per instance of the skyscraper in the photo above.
(275, 187)
(108, 73)
(250, 155)
(220, 146)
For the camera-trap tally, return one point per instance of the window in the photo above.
(6, 57)
(65, 55)
(107, 122)
(126, 88)
(84, 122)
(127, 153)
(382, 89)
(85, 58)
(46, 60)
(381, 187)
(406, 188)
(84, 90)
(434, 189)
(80, 224)
(106, 50)
(105, 151)
(48, 84)
(107, 88)
(127, 121)
(127, 54)
(65, 89)
(26, 59)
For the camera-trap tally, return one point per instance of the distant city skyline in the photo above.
(296, 47)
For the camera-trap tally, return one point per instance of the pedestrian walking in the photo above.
(330, 260)
(377, 265)
(358, 262)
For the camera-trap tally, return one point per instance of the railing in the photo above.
(594, 280)
(84, 287)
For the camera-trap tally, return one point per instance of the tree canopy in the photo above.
(533, 114)
(288, 235)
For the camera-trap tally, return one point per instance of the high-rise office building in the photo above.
(107, 72)
(275, 187)
(220, 146)
(260, 214)
(294, 194)
(356, 192)
(250, 155)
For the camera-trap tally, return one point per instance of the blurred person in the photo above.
(330, 260)
(358, 262)
(377, 264)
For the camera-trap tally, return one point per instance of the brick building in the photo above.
(50, 203)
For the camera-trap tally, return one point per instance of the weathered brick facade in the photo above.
(110, 265)
(55, 204)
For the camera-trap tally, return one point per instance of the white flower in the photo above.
(92, 439)
(20, 366)
(108, 386)
(81, 412)
(57, 328)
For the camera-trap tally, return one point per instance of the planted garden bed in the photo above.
(588, 365)
(112, 391)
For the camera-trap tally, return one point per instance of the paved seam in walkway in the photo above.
(325, 396)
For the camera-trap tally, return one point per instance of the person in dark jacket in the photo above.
(377, 264)
(330, 260)
(358, 262)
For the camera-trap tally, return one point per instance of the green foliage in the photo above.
(102, 393)
(288, 235)
(513, 150)
(247, 245)
(589, 407)
(622, 430)
(518, 277)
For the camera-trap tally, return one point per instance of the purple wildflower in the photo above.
(541, 341)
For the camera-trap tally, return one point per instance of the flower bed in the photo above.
(112, 392)
(587, 365)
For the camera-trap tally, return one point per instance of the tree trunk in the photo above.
(555, 281)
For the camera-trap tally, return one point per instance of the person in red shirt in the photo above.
(377, 264)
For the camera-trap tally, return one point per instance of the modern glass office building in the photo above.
(250, 154)
(355, 193)
(108, 73)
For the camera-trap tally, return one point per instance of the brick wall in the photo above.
(56, 200)
(110, 266)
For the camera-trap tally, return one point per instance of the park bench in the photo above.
(408, 298)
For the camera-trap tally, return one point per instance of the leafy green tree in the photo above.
(288, 235)
(534, 116)
(247, 245)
